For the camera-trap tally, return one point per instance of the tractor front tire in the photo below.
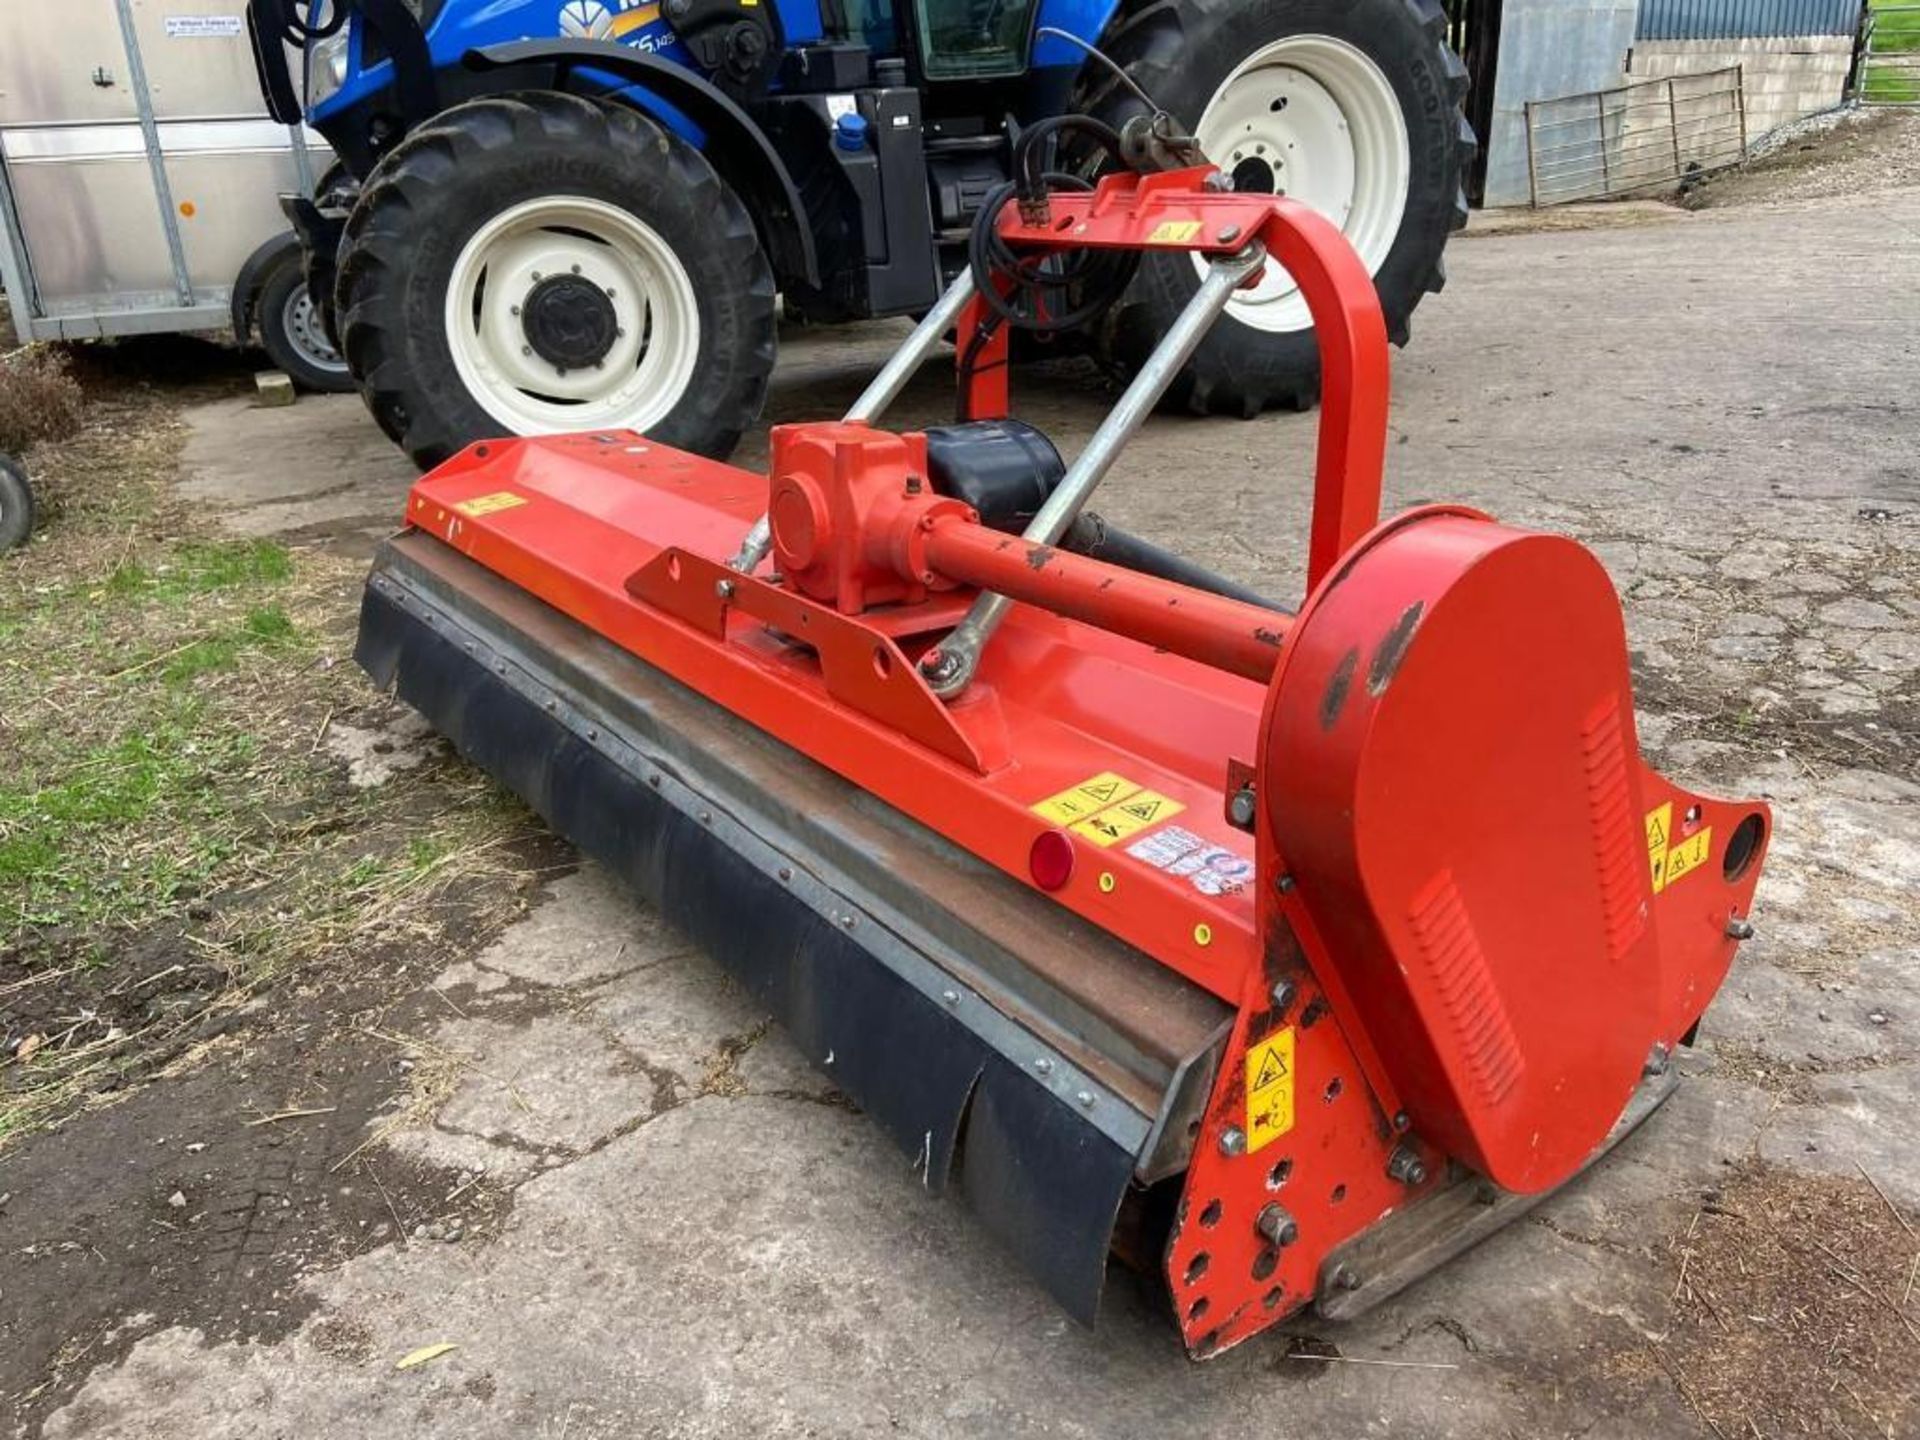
(1351, 106)
(541, 263)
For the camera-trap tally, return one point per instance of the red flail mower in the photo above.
(1286, 952)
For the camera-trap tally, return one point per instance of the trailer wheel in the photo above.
(1351, 106)
(540, 263)
(292, 332)
(16, 505)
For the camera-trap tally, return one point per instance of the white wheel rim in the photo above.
(1313, 118)
(651, 361)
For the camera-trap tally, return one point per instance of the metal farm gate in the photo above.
(1634, 137)
(1890, 65)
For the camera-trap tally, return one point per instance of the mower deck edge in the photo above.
(942, 996)
(1377, 1265)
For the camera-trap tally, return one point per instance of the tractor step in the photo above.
(1027, 1058)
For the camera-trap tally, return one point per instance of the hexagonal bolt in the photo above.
(1233, 1141)
(723, 589)
(1283, 994)
(1276, 1226)
(1344, 1277)
(1240, 808)
(1406, 1166)
(1739, 928)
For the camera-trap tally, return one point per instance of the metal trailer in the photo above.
(139, 181)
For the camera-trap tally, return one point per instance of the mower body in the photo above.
(1280, 953)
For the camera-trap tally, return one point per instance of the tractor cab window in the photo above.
(871, 22)
(970, 39)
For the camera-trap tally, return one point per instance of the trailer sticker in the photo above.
(1211, 869)
(490, 504)
(1139, 811)
(204, 27)
(1670, 862)
(1086, 799)
(1269, 1089)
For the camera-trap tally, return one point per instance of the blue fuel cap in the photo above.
(850, 131)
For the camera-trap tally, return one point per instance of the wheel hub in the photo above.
(570, 322)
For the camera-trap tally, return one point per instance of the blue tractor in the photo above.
(554, 215)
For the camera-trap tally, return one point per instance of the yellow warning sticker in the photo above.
(1269, 1089)
(1688, 856)
(1670, 861)
(1086, 799)
(1174, 232)
(490, 504)
(1659, 827)
(1139, 811)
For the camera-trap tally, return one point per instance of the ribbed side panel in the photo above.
(1474, 1015)
(1617, 849)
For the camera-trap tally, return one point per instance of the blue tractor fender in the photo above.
(739, 149)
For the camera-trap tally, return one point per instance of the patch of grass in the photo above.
(64, 856)
(197, 568)
(167, 803)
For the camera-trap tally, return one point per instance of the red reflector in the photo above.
(1051, 859)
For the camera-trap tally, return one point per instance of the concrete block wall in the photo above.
(1783, 79)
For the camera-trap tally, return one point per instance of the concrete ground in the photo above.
(703, 1243)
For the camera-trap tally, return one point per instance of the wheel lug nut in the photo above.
(576, 269)
(526, 349)
(536, 275)
(516, 309)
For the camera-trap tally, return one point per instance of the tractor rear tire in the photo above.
(541, 263)
(1351, 71)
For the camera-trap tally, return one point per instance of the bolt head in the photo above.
(723, 588)
(1043, 1066)
(1228, 234)
(1233, 1141)
(1276, 1226)
(1739, 928)
(1241, 807)
(1346, 1277)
